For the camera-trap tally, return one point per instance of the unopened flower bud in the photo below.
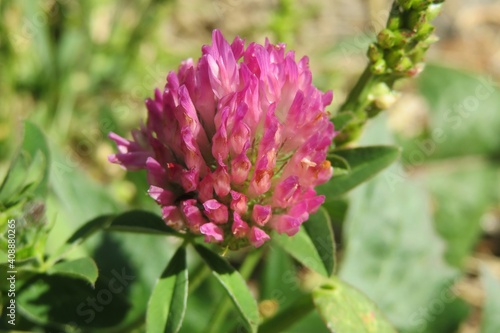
(433, 11)
(374, 53)
(403, 65)
(382, 96)
(394, 23)
(415, 19)
(424, 31)
(386, 38)
(378, 67)
(392, 58)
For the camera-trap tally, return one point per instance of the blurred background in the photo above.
(80, 69)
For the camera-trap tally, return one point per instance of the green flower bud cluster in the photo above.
(401, 46)
(398, 52)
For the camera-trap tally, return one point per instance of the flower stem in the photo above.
(201, 272)
(398, 53)
(358, 93)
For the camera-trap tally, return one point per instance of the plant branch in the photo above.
(398, 53)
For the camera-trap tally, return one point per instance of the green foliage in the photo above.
(74, 302)
(461, 142)
(83, 268)
(302, 248)
(345, 309)
(464, 118)
(28, 174)
(362, 164)
(167, 304)
(278, 280)
(234, 285)
(475, 188)
(319, 229)
(491, 321)
(388, 253)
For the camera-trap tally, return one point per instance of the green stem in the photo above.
(357, 96)
(225, 305)
(219, 318)
(250, 263)
(199, 275)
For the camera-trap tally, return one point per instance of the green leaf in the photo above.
(390, 239)
(301, 247)
(475, 188)
(28, 173)
(88, 229)
(74, 197)
(34, 141)
(167, 304)
(142, 222)
(234, 285)
(364, 162)
(82, 268)
(387, 246)
(337, 210)
(491, 320)
(135, 261)
(464, 115)
(319, 229)
(61, 299)
(278, 279)
(76, 191)
(339, 162)
(137, 221)
(346, 310)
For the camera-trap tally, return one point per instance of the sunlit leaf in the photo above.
(346, 310)
(140, 221)
(462, 195)
(302, 248)
(389, 237)
(167, 304)
(28, 173)
(464, 115)
(234, 285)
(364, 163)
(82, 268)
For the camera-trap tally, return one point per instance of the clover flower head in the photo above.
(235, 143)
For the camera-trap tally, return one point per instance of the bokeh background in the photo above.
(79, 69)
